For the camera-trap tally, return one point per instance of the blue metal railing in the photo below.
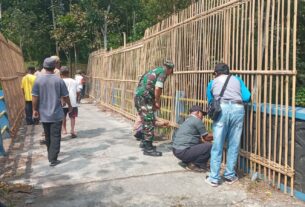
(4, 123)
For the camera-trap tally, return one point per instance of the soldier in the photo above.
(147, 100)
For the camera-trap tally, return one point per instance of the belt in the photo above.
(232, 102)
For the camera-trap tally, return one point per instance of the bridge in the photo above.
(261, 48)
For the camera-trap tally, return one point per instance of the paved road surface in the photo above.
(104, 167)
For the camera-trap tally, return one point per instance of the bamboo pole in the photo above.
(293, 92)
(266, 50)
(287, 91)
(281, 90)
(270, 90)
(276, 87)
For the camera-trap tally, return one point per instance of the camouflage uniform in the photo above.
(145, 99)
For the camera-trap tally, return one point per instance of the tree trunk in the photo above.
(75, 57)
(105, 35)
(68, 56)
(134, 23)
(105, 27)
(54, 26)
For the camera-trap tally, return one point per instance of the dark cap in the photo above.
(197, 108)
(49, 63)
(222, 68)
(169, 63)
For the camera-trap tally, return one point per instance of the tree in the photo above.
(26, 23)
(70, 31)
(100, 21)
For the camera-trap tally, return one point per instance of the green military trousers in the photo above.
(145, 106)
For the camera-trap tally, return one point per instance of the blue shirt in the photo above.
(236, 89)
(49, 88)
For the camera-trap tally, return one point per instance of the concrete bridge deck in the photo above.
(103, 166)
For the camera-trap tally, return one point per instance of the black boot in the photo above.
(141, 145)
(150, 150)
(139, 136)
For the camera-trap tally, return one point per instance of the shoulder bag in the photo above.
(214, 108)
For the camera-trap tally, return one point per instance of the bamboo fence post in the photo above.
(293, 92)
(282, 90)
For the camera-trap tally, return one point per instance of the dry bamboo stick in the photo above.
(293, 92)
(282, 90)
(271, 89)
(259, 77)
(266, 51)
(233, 63)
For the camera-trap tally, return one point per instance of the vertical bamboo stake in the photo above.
(282, 93)
(233, 64)
(271, 89)
(287, 90)
(252, 164)
(242, 30)
(259, 80)
(266, 50)
(293, 91)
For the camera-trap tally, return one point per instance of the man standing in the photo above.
(27, 85)
(47, 93)
(79, 80)
(38, 72)
(84, 81)
(187, 141)
(57, 67)
(73, 93)
(228, 126)
(147, 100)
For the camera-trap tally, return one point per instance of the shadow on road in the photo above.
(90, 133)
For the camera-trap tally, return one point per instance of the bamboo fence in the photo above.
(256, 38)
(11, 71)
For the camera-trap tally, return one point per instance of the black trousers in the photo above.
(198, 154)
(53, 137)
(83, 91)
(29, 113)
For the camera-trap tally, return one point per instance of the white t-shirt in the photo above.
(78, 79)
(72, 87)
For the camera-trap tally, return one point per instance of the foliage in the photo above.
(301, 44)
(87, 24)
(25, 23)
(100, 22)
(300, 97)
(70, 29)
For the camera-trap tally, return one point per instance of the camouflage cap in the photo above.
(169, 63)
